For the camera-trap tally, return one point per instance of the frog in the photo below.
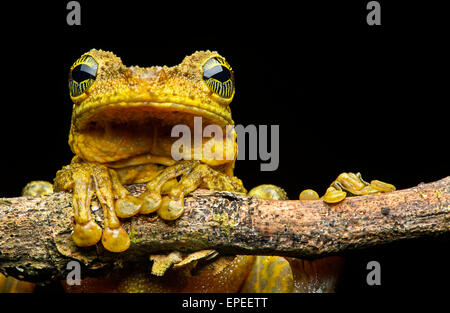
(120, 134)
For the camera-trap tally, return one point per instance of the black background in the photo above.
(347, 96)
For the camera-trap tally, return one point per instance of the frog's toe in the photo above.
(171, 209)
(333, 195)
(308, 194)
(85, 235)
(127, 206)
(115, 239)
(351, 184)
(150, 202)
(382, 186)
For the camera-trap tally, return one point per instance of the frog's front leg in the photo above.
(194, 174)
(87, 179)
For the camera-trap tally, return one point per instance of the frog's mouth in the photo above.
(113, 132)
(165, 113)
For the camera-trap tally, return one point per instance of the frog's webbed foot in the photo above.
(350, 184)
(87, 180)
(165, 195)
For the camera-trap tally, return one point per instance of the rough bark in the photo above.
(36, 244)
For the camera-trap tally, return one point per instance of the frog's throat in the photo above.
(172, 113)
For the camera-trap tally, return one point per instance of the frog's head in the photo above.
(106, 93)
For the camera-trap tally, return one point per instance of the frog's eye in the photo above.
(82, 74)
(218, 76)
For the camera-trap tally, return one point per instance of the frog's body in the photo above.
(121, 134)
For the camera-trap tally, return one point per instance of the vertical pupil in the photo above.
(83, 72)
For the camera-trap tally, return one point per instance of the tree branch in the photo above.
(36, 244)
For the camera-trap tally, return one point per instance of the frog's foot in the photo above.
(353, 185)
(151, 199)
(162, 262)
(125, 204)
(165, 195)
(87, 179)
